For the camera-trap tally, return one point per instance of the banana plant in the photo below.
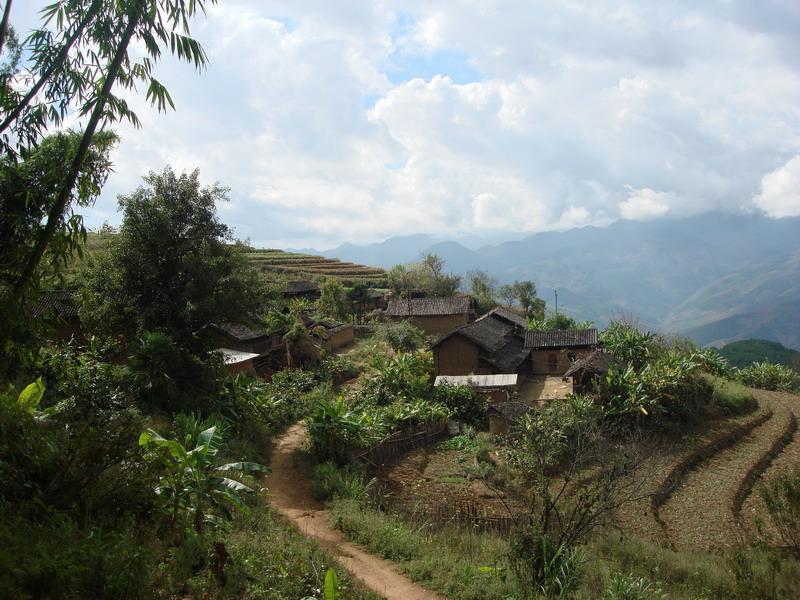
(194, 488)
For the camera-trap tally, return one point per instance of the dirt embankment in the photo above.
(290, 492)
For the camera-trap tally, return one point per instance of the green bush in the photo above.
(627, 343)
(335, 430)
(55, 557)
(336, 369)
(769, 376)
(330, 481)
(631, 587)
(401, 337)
(782, 499)
(407, 415)
(401, 377)
(463, 402)
(731, 397)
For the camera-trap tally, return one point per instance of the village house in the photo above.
(435, 316)
(553, 351)
(330, 335)
(244, 338)
(587, 371)
(492, 344)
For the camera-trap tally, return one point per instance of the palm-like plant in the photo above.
(194, 488)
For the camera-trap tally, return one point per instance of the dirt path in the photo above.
(290, 490)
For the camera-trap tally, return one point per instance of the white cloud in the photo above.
(579, 114)
(643, 204)
(780, 191)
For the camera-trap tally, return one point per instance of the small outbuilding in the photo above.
(503, 416)
(553, 351)
(435, 316)
(59, 308)
(237, 361)
(302, 289)
(497, 388)
(334, 336)
(245, 338)
(587, 371)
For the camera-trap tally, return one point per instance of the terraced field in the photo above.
(306, 265)
(702, 491)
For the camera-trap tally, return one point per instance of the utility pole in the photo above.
(556, 293)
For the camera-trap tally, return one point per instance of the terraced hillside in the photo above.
(309, 266)
(702, 493)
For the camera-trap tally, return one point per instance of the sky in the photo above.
(356, 121)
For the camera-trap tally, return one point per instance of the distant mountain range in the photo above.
(715, 277)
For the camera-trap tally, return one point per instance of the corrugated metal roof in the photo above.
(233, 357)
(479, 381)
(424, 307)
(557, 338)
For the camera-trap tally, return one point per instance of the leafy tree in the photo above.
(331, 302)
(427, 277)
(170, 268)
(76, 60)
(524, 294)
(358, 296)
(483, 288)
(28, 187)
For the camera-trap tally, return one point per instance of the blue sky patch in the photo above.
(404, 67)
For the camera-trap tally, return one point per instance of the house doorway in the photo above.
(552, 362)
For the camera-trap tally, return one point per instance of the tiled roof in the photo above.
(598, 362)
(557, 338)
(300, 287)
(241, 332)
(498, 338)
(511, 410)
(424, 307)
(510, 316)
(59, 303)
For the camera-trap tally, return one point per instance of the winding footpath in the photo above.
(290, 493)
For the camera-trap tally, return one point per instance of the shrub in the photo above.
(769, 376)
(782, 499)
(401, 337)
(330, 481)
(542, 565)
(407, 415)
(630, 587)
(731, 397)
(463, 402)
(627, 343)
(193, 489)
(711, 361)
(402, 377)
(336, 369)
(335, 430)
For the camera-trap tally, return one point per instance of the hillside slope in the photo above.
(716, 276)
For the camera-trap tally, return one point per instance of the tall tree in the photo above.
(77, 59)
(483, 288)
(170, 268)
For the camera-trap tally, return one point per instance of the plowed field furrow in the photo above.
(699, 513)
(637, 517)
(788, 458)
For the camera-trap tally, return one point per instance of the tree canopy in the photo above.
(170, 268)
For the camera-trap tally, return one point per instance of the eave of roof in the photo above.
(558, 338)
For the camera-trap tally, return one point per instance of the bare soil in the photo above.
(289, 486)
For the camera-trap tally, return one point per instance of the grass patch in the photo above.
(730, 397)
(272, 560)
(458, 564)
